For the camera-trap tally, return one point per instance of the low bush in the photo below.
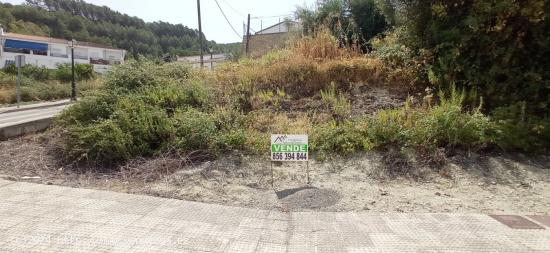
(152, 113)
(337, 103)
(32, 90)
(63, 72)
(195, 130)
(518, 130)
(344, 139)
(81, 71)
(446, 124)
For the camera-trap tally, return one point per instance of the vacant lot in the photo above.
(487, 183)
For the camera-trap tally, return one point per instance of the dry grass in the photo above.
(303, 76)
(322, 46)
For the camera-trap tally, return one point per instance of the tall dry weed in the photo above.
(322, 46)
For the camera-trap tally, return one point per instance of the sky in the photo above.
(264, 13)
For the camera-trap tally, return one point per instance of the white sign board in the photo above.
(19, 61)
(287, 147)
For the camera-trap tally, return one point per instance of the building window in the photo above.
(17, 50)
(37, 52)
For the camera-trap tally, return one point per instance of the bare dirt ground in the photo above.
(468, 182)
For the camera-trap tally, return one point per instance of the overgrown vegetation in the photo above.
(42, 84)
(145, 109)
(319, 86)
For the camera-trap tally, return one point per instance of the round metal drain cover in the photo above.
(308, 198)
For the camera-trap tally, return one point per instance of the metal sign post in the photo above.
(289, 148)
(19, 63)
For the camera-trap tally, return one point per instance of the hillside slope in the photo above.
(87, 22)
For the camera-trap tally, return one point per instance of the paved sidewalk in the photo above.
(45, 218)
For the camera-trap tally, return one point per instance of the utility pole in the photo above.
(200, 31)
(72, 45)
(248, 34)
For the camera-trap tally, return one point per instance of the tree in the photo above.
(370, 21)
(87, 22)
(350, 21)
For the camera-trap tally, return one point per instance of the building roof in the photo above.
(54, 40)
(280, 23)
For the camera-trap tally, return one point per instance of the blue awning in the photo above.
(20, 44)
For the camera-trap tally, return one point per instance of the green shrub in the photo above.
(444, 125)
(144, 73)
(195, 130)
(38, 91)
(173, 96)
(144, 128)
(150, 126)
(133, 75)
(37, 73)
(336, 102)
(82, 72)
(386, 127)
(231, 125)
(152, 111)
(102, 142)
(344, 138)
(88, 110)
(517, 130)
(448, 125)
(30, 71)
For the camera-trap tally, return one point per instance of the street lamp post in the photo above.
(211, 61)
(72, 45)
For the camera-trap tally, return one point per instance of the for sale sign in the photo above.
(287, 147)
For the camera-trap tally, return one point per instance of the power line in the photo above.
(219, 7)
(278, 16)
(235, 10)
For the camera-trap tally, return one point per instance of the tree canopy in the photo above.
(87, 22)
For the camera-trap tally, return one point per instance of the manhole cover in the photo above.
(307, 198)
(516, 222)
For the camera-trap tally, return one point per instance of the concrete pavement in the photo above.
(46, 218)
(15, 108)
(15, 123)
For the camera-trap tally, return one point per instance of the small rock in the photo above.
(30, 178)
(438, 194)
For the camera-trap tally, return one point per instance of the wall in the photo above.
(38, 60)
(52, 62)
(261, 44)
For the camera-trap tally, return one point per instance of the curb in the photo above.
(34, 106)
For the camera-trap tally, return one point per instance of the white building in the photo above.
(281, 27)
(210, 61)
(50, 52)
